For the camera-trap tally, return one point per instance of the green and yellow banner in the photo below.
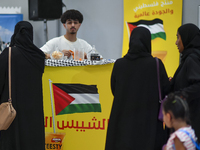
(162, 18)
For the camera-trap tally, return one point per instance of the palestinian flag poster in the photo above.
(75, 98)
(162, 18)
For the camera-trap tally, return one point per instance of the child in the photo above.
(176, 116)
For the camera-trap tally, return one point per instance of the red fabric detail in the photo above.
(61, 99)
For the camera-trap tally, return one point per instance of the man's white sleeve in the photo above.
(49, 47)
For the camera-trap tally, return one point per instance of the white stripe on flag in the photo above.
(85, 98)
(153, 28)
(128, 30)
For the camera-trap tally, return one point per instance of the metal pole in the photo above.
(45, 30)
(50, 85)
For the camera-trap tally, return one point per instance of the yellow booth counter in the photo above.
(77, 103)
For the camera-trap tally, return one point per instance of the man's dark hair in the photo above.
(71, 14)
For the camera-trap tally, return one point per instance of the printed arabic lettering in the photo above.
(141, 14)
(166, 3)
(162, 12)
(146, 5)
(76, 126)
(95, 124)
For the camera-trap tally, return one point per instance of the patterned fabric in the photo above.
(183, 137)
(60, 63)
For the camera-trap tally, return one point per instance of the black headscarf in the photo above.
(140, 43)
(190, 36)
(22, 39)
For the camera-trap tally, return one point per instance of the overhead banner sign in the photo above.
(162, 18)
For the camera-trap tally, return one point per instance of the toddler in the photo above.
(176, 116)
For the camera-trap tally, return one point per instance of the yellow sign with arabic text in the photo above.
(162, 18)
(71, 129)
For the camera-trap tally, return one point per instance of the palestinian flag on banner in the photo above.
(75, 98)
(155, 27)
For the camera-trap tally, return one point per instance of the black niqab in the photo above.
(23, 39)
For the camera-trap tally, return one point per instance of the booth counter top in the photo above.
(62, 63)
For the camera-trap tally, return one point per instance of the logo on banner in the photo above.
(54, 140)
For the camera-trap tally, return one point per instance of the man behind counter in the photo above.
(71, 21)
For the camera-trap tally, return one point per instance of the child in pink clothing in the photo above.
(176, 116)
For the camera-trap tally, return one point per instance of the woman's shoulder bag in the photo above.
(7, 112)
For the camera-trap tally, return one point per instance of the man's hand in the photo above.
(85, 55)
(47, 56)
(67, 53)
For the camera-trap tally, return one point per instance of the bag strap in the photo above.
(158, 77)
(195, 143)
(9, 75)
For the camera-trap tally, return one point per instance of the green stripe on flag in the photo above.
(159, 34)
(81, 108)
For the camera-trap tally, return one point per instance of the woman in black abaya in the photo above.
(133, 123)
(27, 63)
(187, 76)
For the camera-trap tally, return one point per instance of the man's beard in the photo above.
(72, 32)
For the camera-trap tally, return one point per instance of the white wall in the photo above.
(102, 25)
(191, 11)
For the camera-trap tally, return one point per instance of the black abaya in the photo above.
(133, 123)
(27, 130)
(187, 76)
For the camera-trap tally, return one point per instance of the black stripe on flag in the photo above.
(77, 88)
(147, 22)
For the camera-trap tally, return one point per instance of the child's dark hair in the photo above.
(176, 103)
(71, 14)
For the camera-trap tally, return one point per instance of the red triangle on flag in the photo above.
(131, 27)
(61, 99)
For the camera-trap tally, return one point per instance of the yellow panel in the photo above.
(80, 137)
